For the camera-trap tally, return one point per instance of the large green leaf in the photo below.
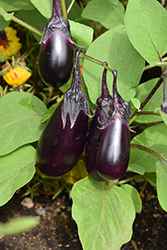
(154, 138)
(104, 214)
(161, 171)
(146, 25)
(20, 114)
(18, 225)
(154, 103)
(115, 48)
(109, 13)
(16, 169)
(44, 7)
(133, 193)
(9, 5)
(82, 34)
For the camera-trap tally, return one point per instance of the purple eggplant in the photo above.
(56, 53)
(105, 103)
(64, 137)
(112, 156)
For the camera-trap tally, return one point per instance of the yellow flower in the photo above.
(17, 76)
(12, 46)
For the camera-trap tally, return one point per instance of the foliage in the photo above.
(126, 37)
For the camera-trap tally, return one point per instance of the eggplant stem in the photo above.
(82, 55)
(105, 91)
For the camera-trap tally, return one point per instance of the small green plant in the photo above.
(132, 39)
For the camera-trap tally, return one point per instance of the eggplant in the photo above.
(64, 137)
(104, 104)
(56, 54)
(112, 156)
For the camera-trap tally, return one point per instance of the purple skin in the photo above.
(64, 137)
(56, 54)
(56, 60)
(104, 105)
(114, 142)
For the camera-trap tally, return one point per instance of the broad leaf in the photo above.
(9, 5)
(115, 48)
(151, 178)
(82, 34)
(16, 169)
(146, 25)
(44, 7)
(49, 112)
(104, 214)
(161, 171)
(133, 193)
(109, 13)
(20, 114)
(18, 225)
(155, 138)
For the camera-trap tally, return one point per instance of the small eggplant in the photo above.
(113, 151)
(105, 103)
(56, 53)
(64, 136)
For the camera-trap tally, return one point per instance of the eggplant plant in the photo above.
(64, 137)
(104, 207)
(112, 155)
(104, 105)
(56, 52)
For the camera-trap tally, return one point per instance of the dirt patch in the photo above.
(57, 230)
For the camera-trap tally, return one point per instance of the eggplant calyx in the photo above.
(75, 99)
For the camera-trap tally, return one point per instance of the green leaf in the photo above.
(115, 48)
(104, 214)
(155, 138)
(44, 7)
(133, 193)
(154, 103)
(136, 103)
(9, 5)
(20, 125)
(6, 16)
(109, 13)
(136, 168)
(3, 24)
(151, 178)
(163, 116)
(16, 169)
(34, 18)
(18, 225)
(161, 171)
(49, 112)
(82, 34)
(146, 25)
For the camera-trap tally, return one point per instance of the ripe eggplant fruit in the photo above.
(56, 53)
(113, 151)
(104, 104)
(64, 136)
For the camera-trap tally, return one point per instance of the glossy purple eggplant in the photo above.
(64, 137)
(113, 151)
(56, 53)
(105, 103)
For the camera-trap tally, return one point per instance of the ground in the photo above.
(57, 230)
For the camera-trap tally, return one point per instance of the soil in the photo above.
(57, 230)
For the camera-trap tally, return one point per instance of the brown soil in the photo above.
(57, 230)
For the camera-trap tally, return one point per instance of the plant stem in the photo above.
(70, 6)
(149, 150)
(63, 8)
(129, 179)
(27, 25)
(158, 64)
(96, 61)
(135, 114)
